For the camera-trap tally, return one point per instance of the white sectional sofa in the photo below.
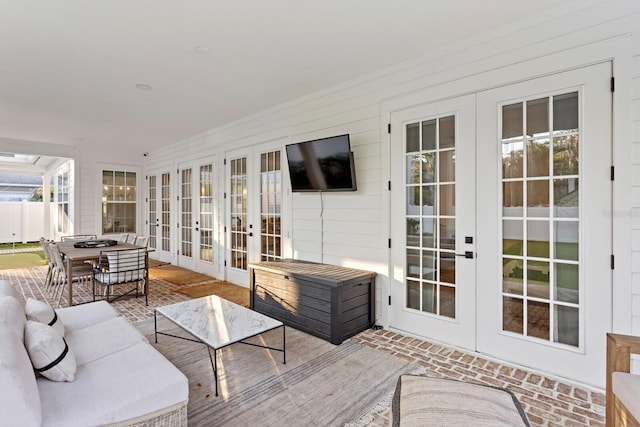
(120, 379)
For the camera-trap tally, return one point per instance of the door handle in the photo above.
(466, 254)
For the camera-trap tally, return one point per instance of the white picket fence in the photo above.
(22, 222)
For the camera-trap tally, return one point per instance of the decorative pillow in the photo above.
(41, 312)
(50, 355)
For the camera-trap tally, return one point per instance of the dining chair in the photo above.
(120, 267)
(142, 241)
(45, 249)
(131, 238)
(123, 237)
(79, 237)
(80, 273)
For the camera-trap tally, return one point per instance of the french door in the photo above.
(159, 214)
(197, 222)
(253, 209)
(502, 237)
(433, 221)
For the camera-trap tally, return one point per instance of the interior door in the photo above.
(253, 208)
(544, 232)
(197, 225)
(159, 214)
(433, 221)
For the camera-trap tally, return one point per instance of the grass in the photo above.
(22, 260)
(9, 246)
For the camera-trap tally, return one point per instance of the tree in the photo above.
(36, 194)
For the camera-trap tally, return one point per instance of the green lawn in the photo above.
(22, 259)
(9, 246)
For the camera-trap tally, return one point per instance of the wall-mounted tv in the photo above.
(322, 165)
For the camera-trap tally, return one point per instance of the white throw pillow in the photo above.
(42, 312)
(50, 355)
(12, 315)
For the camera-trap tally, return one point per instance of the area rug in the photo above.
(177, 275)
(221, 288)
(320, 385)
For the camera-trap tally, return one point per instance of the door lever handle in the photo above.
(466, 254)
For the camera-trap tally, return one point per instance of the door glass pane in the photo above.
(430, 217)
(238, 213)
(186, 217)
(541, 218)
(153, 212)
(270, 205)
(206, 213)
(165, 218)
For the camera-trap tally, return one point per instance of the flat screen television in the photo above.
(324, 164)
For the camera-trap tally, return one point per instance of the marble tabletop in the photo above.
(217, 322)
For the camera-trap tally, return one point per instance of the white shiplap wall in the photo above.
(354, 229)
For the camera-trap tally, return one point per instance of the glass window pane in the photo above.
(429, 167)
(538, 319)
(512, 158)
(567, 280)
(567, 331)
(413, 138)
(428, 200)
(537, 116)
(538, 198)
(447, 166)
(448, 199)
(448, 267)
(429, 298)
(512, 237)
(413, 294)
(429, 232)
(512, 276)
(566, 240)
(429, 265)
(512, 203)
(512, 121)
(429, 135)
(538, 239)
(447, 132)
(413, 200)
(565, 155)
(413, 232)
(512, 315)
(448, 234)
(538, 279)
(565, 112)
(566, 198)
(538, 157)
(413, 263)
(414, 166)
(448, 301)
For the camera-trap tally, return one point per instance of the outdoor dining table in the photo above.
(72, 254)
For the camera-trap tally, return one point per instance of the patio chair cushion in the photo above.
(428, 401)
(49, 353)
(83, 315)
(12, 315)
(42, 312)
(20, 403)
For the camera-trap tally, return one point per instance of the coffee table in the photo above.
(218, 323)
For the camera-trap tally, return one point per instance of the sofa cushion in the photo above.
(626, 387)
(20, 403)
(83, 315)
(12, 316)
(50, 355)
(103, 339)
(7, 289)
(42, 312)
(422, 400)
(130, 383)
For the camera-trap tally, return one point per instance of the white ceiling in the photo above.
(69, 68)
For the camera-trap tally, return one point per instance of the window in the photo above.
(118, 202)
(62, 200)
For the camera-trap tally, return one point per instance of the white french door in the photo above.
(544, 193)
(253, 209)
(518, 177)
(197, 222)
(159, 214)
(433, 221)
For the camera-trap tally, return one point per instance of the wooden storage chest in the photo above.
(327, 301)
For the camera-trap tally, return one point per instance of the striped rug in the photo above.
(320, 385)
